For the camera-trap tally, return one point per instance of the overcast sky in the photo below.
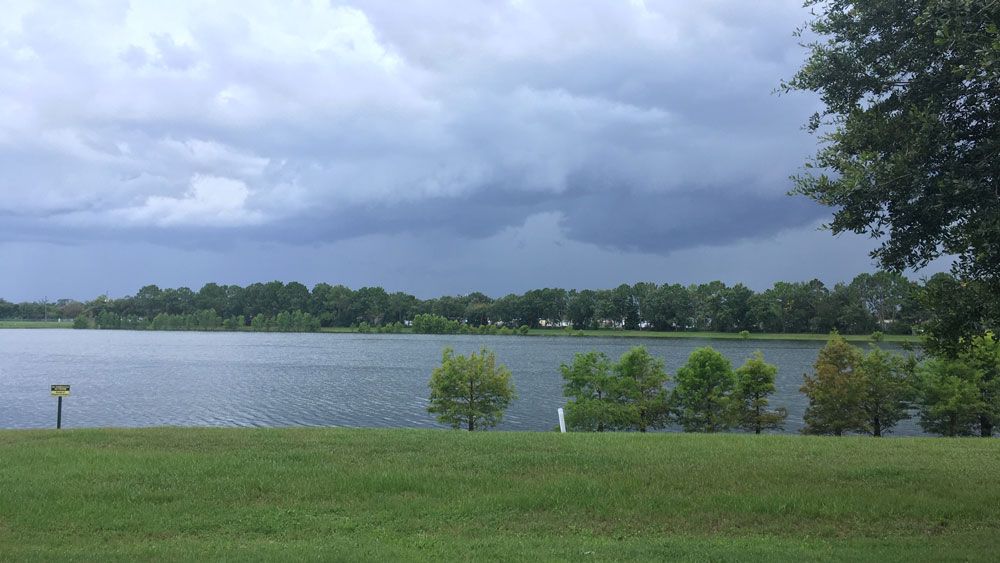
(434, 147)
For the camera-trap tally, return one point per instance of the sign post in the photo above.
(59, 391)
(562, 421)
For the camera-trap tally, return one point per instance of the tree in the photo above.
(670, 307)
(639, 386)
(749, 406)
(884, 294)
(886, 391)
(984, 357)
(910, 129)
(593, 388)
(470, 391)
(835, 391)
(950, 402)
(957, 310)
(580, 308)
(700, 401)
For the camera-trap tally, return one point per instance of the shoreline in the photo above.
(599, 333)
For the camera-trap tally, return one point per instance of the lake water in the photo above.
(125, 378)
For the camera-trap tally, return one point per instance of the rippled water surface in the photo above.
(124, 378)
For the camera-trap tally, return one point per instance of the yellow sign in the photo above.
(60, 390)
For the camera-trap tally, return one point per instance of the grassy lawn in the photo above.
(718, 335)
(337, 494)
(36, 324)
(609, 333)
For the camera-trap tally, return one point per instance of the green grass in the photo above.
(561, 332)
(290, 494)
(36, 324)
(717, 335)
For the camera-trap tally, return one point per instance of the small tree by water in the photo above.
(704, 385)
(470, 392)
(626, 395)
(750, 403)
(835, 390)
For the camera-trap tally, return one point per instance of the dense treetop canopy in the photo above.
(911, 145)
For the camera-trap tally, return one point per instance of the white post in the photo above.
(562, 421)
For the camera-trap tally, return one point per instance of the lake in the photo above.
(128, 379)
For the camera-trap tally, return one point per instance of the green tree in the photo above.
(750, 403)
(910, 129)
(593, 388)
(886, 391)
(471, 392)
(950, 402)
(835, 390)
(984, 357)
(700, 401)
(956, 310)
(640, 380)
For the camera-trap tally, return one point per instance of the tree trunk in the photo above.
(985, 426)
(877, 428)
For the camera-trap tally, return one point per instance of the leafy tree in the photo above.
(957, 310)
(950, 401)
(886, 391)
(910, 129)
(700, 401)
(835, 391)
(593, 388)
(640, 380)
(884, 294)
(984, 357)
(670, 307)
(210, 296)
(470, 392)
(580, 308)
(750, 405)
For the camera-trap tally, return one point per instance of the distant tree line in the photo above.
(882, 302)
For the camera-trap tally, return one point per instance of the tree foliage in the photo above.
(835, 390)
(700, 400)
(983, 356)
(596, 402)
(910, 131)
(640, 379)
(626, 395)
(950, 400)
(470, 392)
(886, 391)
(750, 403)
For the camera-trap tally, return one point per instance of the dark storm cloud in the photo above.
(659, 223)
(319, 123)
(485, 145)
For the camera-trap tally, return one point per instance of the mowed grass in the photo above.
(342, 494)
(36, 324)
(611, 333)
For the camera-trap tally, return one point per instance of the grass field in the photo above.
(336, 494)
(608, 333)
(36, 324)
(717, 335)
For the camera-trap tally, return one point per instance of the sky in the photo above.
(432, 147)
